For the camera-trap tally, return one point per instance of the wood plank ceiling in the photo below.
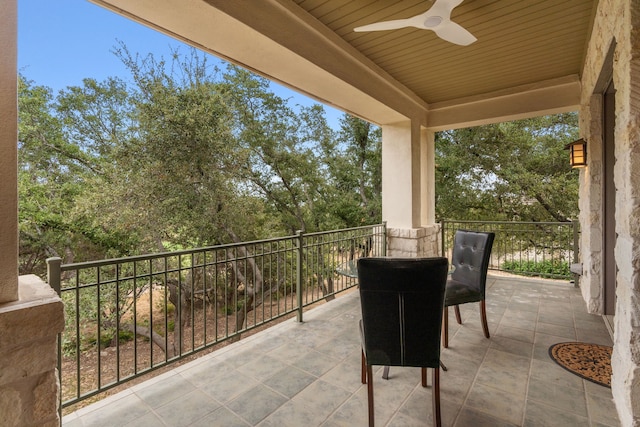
(519, 42)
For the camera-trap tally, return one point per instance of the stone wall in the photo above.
(29, 389)
(414, 242)
(617, 23)
(590, 204)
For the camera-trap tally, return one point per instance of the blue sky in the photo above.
(60, 42)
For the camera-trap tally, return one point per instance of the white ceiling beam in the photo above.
(538, 99)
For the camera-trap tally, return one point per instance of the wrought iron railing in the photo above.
(544, 249)
(128, 316)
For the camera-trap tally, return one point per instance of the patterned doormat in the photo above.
(589, 361)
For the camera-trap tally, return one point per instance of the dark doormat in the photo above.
(589, 361)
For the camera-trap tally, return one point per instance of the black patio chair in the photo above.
(402, 305)
(467, 282)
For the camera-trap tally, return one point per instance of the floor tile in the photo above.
(602, 410)
(309, 374)
(470, 417)
(538, 414)
(322, 394)
(569, 333)
(119, 412)
(160, 393)
(315, 363)
(261, 367)
(148, 419)
(295, 414)
(567, 399)
(221, 417)
(256, 404)
(290, 381)
(516, 347)
(229, 385)
(183, 412)
(502, 405)
(552, 374)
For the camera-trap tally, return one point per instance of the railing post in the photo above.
(53, 278)
(384, 238)
(299, 257)
(442, 224)
(53, 273)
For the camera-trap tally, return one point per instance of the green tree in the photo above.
(354, 166)
(276, 160)
(508, 171)
(171, 182)
(52, 177)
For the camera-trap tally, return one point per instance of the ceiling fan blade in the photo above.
(444, 7)
(385, 25)
(454, 33)
(437, 19)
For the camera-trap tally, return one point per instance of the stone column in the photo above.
(616, 26)
(408, 200)
(29, 328)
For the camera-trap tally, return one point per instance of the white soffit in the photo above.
(204, 27)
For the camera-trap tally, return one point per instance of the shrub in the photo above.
(547, 268)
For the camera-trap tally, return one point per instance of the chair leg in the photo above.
(483, 316)
(385, 373)
(458, 318)
(424, 377)
(364, 369)
(370, 395)
(435, 391)
(445, 327)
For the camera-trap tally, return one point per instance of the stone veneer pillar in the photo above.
(616, 26)
(29, 327)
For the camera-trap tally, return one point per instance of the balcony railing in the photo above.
(544, 249)
(128, 316)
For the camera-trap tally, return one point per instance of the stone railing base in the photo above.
(29, 328)
(414, 242)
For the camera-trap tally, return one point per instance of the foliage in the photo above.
(52, 177)
(354, 164)
(170, 157)
(547, 268)
(514, 171)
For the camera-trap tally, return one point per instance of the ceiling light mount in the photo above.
(433, 21)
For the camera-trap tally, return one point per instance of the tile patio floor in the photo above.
(309, 374)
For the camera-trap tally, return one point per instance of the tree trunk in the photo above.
(181, 299)
(155, 338)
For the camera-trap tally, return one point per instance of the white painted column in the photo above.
(408, 190)
(8, 152)
(428, 177)
(399, 155)
(30, 319)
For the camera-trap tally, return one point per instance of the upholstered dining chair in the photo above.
(402, 305)
(467, 282)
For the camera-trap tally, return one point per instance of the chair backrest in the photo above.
(402, 301)
(470, 257)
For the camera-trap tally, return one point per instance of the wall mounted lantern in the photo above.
(577, 153)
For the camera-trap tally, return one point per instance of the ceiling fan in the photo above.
(436, 19)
